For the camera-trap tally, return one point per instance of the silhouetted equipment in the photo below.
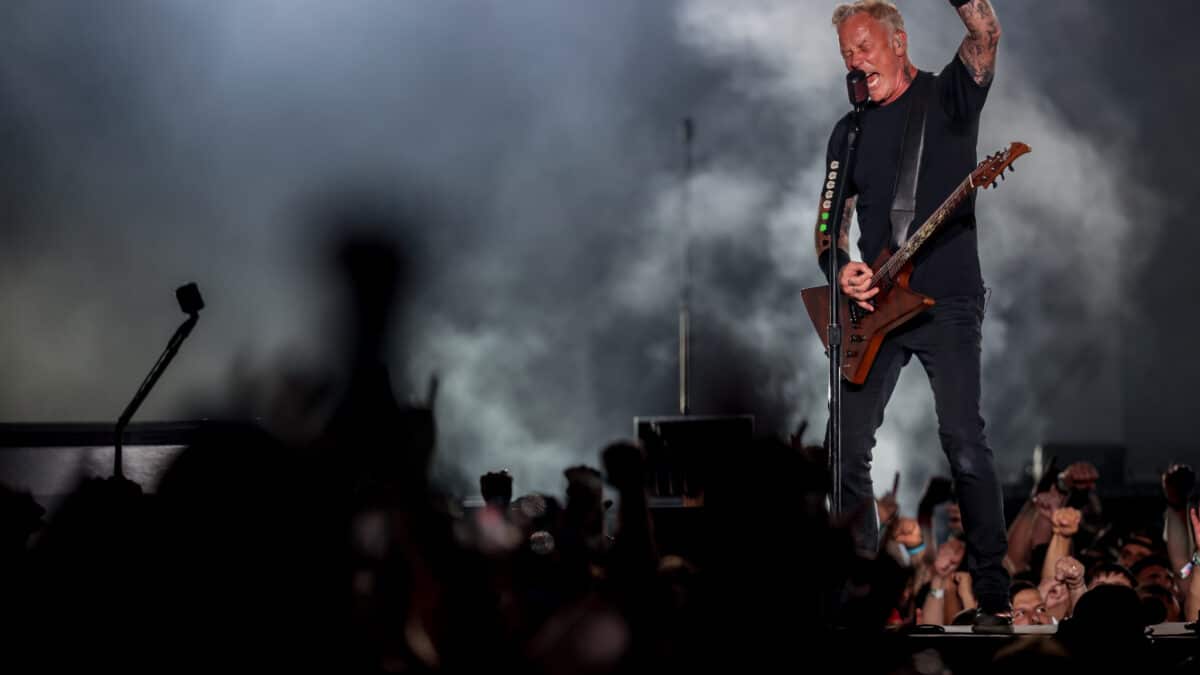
(682, 452)
(190, 303)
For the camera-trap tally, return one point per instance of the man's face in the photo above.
(867, 46)
(1028, 609)
(1131, 553)
(1110, 579)
(1156, 575)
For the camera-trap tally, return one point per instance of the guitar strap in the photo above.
(904, 204)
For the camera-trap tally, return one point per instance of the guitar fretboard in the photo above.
(887, 272)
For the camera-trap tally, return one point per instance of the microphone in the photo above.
(856, 87)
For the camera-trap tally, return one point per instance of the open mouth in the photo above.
(873, 79)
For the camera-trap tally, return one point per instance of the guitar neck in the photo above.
(888, 271)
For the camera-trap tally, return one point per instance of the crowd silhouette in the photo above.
(269, 547)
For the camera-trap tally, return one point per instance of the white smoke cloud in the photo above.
(166, 143)
(1065, 217)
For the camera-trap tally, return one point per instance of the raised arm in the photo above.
(1066, 524)
(1191, 607)
(1031, 527)
(1177, 483)
(978, 49)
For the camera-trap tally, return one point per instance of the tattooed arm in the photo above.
(823, 240)
(978, 49)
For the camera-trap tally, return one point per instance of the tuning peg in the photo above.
(1013, 166)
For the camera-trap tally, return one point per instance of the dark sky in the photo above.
(148, 144)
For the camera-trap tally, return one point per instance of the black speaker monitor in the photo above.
(681, 452)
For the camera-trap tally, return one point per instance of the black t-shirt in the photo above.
(948, 263)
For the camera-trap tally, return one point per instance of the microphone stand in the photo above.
(191, 304)
(685, 300)
(834, 329)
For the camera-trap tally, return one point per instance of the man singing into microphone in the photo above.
(946, 337)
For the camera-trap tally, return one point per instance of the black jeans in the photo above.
(946, 339)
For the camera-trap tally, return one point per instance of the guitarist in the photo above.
(946, 337)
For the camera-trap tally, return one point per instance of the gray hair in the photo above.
(881, 10)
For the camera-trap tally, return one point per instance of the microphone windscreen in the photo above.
(856, 87)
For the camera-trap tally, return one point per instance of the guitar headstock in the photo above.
(994, 165)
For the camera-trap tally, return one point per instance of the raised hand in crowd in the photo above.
(908, 533)
(939, 490)
(1177, 483)
(1192, 603)
(1048, 502)
(1078, 483)
(1056, 598)
(1064, 523)
(1069, 572)
(887, 505)
(1032, 526)
(1078, 476)
(496, 488)
(624, 467)
(634, 554)
(949, 556)
(584, 516)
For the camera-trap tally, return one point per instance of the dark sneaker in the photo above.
(992, 622)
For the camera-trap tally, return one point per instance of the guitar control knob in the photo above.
(856, 338)
(851, 354)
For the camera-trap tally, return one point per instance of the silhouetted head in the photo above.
(1110, 573)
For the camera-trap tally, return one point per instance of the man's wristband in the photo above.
(1061, 483)
(959, 3)
(1190, 566)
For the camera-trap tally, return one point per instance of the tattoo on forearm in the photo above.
(847, 214)
(978, 49)
(823, 238)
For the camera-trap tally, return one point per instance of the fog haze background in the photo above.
(148, 144)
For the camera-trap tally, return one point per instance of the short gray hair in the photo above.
(881, 10)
